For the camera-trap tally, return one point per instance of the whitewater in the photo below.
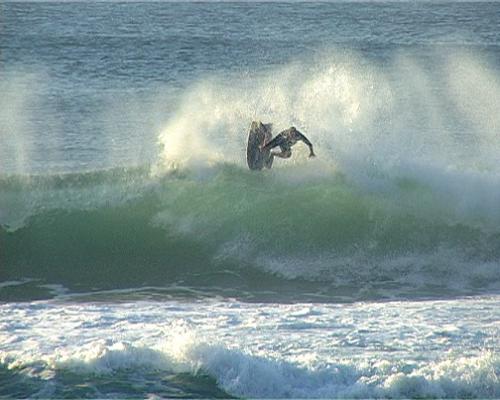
(139, 257)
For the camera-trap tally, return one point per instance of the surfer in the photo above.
(285, 140)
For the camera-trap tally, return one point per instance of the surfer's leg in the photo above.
(284, 153)
(269, 161)
(277, 141)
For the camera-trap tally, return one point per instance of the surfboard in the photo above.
(256, 157)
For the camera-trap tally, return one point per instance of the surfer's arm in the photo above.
(301, 137)
(273, 143)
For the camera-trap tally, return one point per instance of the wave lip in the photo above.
(263, 378)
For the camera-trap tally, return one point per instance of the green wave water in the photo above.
(233, 232)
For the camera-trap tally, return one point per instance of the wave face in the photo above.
(289, 232)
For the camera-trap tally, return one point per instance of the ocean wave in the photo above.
(252, 350)
(402, 198)
(123, 228)
(241, 374)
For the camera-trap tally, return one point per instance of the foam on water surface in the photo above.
(395, 349)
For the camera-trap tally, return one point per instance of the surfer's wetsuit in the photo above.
(285, 140)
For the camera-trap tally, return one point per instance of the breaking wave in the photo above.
(233, 229)
(212, 370)
(403, 195)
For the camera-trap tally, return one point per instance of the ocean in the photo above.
(141, 258)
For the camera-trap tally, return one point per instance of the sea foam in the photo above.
(272, 351)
